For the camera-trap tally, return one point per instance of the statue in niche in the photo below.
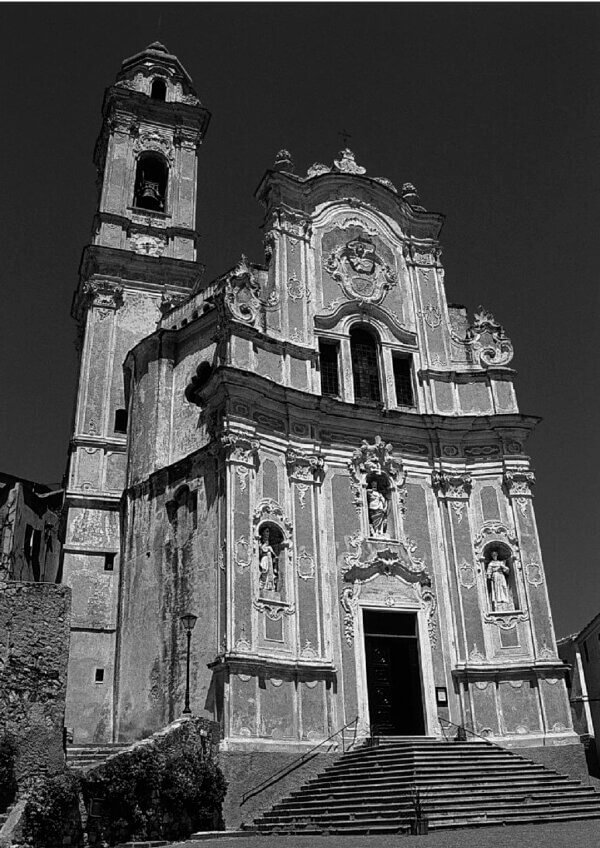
(270, 545)
(377, 504)
(497, 572)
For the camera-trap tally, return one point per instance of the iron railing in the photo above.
(303, 758)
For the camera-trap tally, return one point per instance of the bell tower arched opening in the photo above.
(159, 89)
(151, 180)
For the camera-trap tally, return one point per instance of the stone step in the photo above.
(341, 778)
(397, 822)
(437, 805)
(442, 792)
(461, 785)
(523, 787)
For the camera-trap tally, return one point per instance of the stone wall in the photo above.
(246, 770)
(34, 623)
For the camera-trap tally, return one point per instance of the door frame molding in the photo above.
(431, 725)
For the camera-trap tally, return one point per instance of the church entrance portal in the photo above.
(393, 673)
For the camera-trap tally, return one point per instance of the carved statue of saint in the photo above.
(378, 510)
(268, 562)
(500, 595)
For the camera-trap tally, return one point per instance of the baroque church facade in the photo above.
(319, 457)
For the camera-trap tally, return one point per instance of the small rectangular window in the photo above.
(99, 675)
(403, 380)
(109, 562)
(328, 355)
(585, 651)
(120, 421)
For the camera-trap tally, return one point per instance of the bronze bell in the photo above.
(150, 195)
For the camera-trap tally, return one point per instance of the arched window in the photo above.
(365, 368)
(151, 182)
(159, 89)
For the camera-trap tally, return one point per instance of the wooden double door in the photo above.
(393, 673)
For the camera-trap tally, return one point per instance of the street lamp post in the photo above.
(188, 622)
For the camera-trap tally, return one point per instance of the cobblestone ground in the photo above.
(584, 834)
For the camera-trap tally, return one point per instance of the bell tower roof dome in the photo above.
(138, 71)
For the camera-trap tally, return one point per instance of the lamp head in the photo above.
(189, 621)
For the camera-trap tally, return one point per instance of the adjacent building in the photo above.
(318, 456)
(581, 651)
(29, 523)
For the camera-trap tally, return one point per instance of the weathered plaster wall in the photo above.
(34, 621)
(170, 568)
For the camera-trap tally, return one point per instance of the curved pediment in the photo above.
(328, 319)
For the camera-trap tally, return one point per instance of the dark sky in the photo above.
(491, 110)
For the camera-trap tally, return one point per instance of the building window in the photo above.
(365, 368)
(585, 651)
(120, 421)
(99, 675)
(159, 90)
(403, 380)
(151, 182)
(328, 357)
(109, 562)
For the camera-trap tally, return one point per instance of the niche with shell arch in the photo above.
(380, 513)
(273, 546)
(500, 577)
(377, 481)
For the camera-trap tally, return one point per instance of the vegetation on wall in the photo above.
(142, 794)
(148, 794)
(51, 812)
(8, 783)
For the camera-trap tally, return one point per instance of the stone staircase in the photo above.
(372, 790)
(88, 756)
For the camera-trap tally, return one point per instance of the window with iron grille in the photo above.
(403, 380)
(328, 356)
(365, 368)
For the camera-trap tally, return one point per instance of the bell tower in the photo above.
(141, 261)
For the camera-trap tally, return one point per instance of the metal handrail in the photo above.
(464, 729)
(299, 761)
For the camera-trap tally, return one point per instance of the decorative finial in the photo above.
(347, 163)
(410, 194)
(345, 136)
(284, 161)
(156, 45)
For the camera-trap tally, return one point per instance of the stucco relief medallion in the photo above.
(467, 575)
(242, 553)
(242, 643)
(147, 244)
(154, 140)
(242, 473)
(476, 656)
(360, 270)
(309, 653)
(458, 507)
(533, 573)
(305, 564)
(431, 315)
(296, 288)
